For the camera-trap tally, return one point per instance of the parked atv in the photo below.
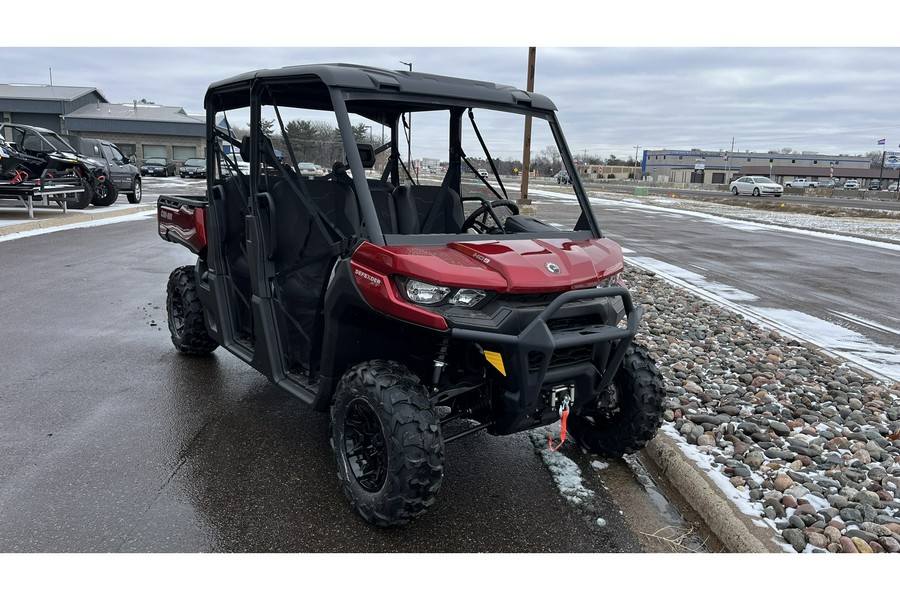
(46, 159)
(415, 312)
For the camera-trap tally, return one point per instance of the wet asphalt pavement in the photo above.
(111, 441)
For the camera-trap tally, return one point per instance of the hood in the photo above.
(508, 266)
(546, 264)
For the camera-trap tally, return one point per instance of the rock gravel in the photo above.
(809, 442)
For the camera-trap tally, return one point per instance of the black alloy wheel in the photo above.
(106, 193)
(387, 443)
(365, 447)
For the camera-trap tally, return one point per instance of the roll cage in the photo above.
(384, 97)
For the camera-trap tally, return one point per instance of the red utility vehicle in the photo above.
(412, 301)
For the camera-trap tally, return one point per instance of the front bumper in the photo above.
(542, 357)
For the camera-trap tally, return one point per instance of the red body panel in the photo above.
(511, 266)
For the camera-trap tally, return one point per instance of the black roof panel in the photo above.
(362, 78)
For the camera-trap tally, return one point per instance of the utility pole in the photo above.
(525, 201)
(728, 166)
(636, 148)
(409, 136)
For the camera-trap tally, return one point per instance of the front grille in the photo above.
(575, 323)
(562, 357)
(527, 299)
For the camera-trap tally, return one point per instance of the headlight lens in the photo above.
(467, 298)
(611, 281)
(425, 293)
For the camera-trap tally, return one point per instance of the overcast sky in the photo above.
(620, 77)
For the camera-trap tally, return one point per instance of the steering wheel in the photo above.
(478, 219)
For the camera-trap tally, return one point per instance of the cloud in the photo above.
(610, 99)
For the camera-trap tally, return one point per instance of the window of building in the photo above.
(718, 177)
(793, 161)
(815, 162)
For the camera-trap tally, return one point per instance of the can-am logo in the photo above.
(370, 278)
(553, 268)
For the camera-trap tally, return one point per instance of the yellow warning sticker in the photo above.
(496, 360)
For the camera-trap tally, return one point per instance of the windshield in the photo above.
(194, 162)
(155, 161)
(762, 180)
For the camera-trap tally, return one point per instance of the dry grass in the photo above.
(679, 539)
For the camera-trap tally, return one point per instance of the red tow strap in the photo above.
(562, 432)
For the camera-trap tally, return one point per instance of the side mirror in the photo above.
(125, 160)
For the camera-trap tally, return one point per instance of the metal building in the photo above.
(140, 129)
(704, 166)
(43, 105)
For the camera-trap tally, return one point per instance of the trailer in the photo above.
(41, 193)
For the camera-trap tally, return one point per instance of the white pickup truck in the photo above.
(801, 183)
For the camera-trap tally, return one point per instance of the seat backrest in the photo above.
(445, 217)
(406, 210)
(337, 200)
(232, 215)
(299, 238)
(384, 209)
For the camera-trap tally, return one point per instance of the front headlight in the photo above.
(467, 298)
(612, 281)
(425, 293)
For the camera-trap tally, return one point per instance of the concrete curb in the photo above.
(73, 216)
(734, 529)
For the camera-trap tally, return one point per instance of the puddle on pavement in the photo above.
(678, 533)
